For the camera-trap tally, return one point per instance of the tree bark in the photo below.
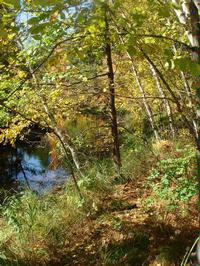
(145, 102)
(165, 101)
(189, 96)
(112, 107)
(142, 91)
(176, 100)
(195, 25)
(188, 92)
(190, 10)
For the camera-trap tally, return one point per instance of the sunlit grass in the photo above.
(36, 228)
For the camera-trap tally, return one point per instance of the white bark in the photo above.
(188, 91)
(165, 101)
(184, 14)
(189, 96)
(145, 102)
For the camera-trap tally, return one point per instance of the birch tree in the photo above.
(165, 100)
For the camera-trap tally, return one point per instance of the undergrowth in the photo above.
(173, 180)
(35, 229)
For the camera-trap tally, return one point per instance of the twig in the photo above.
(188, 253)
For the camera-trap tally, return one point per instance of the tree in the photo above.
(112, 108)
(93, 41)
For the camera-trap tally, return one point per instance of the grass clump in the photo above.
(35, 229)
(169, 255)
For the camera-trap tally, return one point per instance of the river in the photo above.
(30, 166)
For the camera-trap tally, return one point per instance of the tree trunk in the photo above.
(190, 11)
(66, 144)
(142, 91)
(188, 92)
(176, 100)
(112, 107)
(165, 101)
(189, 96)
(195, 21)
(145, 102)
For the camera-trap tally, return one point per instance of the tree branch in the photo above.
(29, 75)
(73, 84)
(167, 38)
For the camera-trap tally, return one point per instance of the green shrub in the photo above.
(173, 180)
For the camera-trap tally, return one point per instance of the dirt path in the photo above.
(125, 233)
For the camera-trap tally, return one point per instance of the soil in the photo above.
(124, 232)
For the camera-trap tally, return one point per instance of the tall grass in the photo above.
(35, 228)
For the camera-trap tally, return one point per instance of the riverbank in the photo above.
(120, 222)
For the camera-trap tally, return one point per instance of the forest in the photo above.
(99, 132)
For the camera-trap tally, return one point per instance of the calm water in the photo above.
(30, 166)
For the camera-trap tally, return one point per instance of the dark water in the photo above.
(32, 166)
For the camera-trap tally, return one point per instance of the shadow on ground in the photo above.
(149, 243)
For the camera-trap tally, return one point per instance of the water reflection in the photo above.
(30, 166)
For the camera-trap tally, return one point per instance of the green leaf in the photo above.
(47, 2)
(187, 65)
(37, 37)
(81, 18)
(132, 50)
(12, 3)
(3, 256)
(164, 12)
(33, 20)
(168, 52)
(3, 33)
(62, 15)
(149, 40)
(138, 18)
(132, 39)
(92, 28)
(9, 16)
(38, 29)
